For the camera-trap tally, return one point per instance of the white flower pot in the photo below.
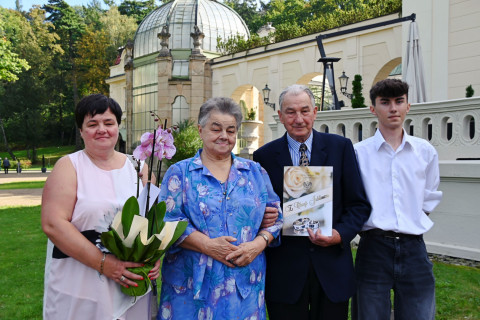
(250, 133)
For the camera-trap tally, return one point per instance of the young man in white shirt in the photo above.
(401, 177)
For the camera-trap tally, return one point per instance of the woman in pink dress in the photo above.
(81, 196)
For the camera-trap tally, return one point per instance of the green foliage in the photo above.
(186, 140)
(248, 114)
(247, 9)
(469, 92)
(358, 101)
(295, 18)
(239, 43)
(136, 9)
(10, 64)
(151, 241)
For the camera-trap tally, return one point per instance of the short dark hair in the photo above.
(222, 105)
(96, 104)
(388, 88)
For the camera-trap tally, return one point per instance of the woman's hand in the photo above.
(246, 252)
(219, 248)
(117, 271)
(155, 272)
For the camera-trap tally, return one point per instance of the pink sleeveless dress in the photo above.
(73, 290)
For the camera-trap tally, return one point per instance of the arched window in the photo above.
(180, 110)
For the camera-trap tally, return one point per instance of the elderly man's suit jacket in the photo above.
(288, 264)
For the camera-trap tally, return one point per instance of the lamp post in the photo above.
(328, 69)
(343, 85)
(266, 97)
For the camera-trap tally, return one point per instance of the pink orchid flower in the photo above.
(164, 147)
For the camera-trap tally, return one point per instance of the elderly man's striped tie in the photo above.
(303, 155)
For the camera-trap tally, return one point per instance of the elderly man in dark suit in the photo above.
(312, 277)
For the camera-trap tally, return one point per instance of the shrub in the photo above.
(187, 141)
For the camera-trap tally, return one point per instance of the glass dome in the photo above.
(214, 19)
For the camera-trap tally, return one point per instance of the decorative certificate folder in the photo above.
(307, 200)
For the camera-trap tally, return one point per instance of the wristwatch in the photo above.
(265, 237)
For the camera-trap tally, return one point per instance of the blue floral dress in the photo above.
(195, 286)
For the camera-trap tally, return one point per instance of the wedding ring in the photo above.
(232, 261)
(122, 278)
(313, 224)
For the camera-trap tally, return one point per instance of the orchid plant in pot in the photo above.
(144, 239)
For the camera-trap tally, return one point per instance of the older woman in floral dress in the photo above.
(216, 270)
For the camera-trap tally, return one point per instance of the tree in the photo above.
(469, 92)
(294, 18)
(358, 101)
(136, 8)
(247, 9)
(33, 41)
(10, 64)
(70, 27)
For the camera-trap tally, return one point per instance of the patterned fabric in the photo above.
(303, 155)
(195, 286)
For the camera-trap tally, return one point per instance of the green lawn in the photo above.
(22, 257)
(22, 185)
(52, 154)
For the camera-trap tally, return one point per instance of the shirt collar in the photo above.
(295, 145)
(380, 141)
(237, 163)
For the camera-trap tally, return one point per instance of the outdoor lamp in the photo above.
(343, 85)
(328, 69)
(266, 97)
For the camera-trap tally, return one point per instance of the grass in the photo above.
(22, 254)
(22, 185)
(23, 258)
(52, 154)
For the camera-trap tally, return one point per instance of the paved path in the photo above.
(21, 197)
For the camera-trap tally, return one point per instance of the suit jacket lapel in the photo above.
(319, 152)
(283, 154)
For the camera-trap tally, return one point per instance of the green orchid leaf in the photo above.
(143, 285)
(108, 240)
(152, 249)
(150, 217)
(160, 216)
(130, 209)
(119, 243)
(179, 230)
(139, 250)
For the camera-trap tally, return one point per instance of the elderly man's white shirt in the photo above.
(401, 184)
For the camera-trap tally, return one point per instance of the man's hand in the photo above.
(324, 241)
(269, 218)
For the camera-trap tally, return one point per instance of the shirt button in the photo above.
(228, 198)
(312, 249)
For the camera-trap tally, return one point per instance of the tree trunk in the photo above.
(6, 142)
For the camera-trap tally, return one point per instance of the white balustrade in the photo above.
(453, 128)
